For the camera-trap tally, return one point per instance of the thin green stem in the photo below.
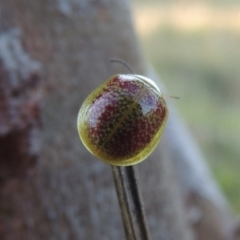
(130, 201)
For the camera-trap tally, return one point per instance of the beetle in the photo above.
(122, 121)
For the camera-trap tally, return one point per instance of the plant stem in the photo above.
(133, 216)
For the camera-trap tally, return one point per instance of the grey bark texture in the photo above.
(69, 194)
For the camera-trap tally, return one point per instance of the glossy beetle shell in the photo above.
(122, 121)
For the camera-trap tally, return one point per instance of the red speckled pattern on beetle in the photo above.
(124, 117)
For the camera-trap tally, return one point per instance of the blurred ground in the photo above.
(195, 47)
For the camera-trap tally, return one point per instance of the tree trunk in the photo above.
(69, 194)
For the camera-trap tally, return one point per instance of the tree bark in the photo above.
(69, 194)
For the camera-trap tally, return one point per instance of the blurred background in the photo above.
(195, 48)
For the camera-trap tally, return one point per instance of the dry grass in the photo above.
(185, 17)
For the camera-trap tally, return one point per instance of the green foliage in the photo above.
(202, 67)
